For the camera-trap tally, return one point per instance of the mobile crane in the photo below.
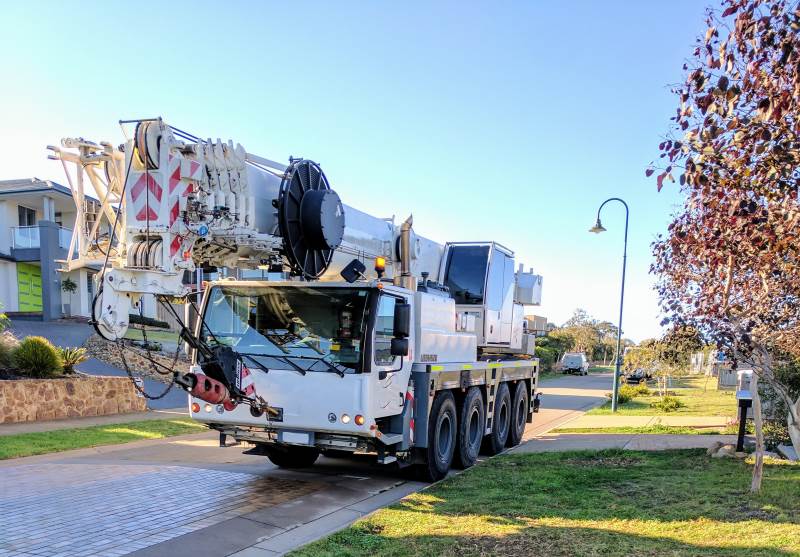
(367, 339)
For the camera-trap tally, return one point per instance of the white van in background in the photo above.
(575, 362)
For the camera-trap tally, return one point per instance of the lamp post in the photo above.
(597, 229)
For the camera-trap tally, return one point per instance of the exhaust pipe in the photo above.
(406, 279)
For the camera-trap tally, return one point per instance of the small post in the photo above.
(744, 406)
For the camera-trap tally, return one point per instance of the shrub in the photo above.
(71, 356)
(776, 432)
(136, 319)
(640, 389)
(37, 357)
(622, 397)
(626, 393)
(69, 286)
(8, 343)
(667, 404)
(547, 357)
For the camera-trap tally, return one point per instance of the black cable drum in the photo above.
(310, 218)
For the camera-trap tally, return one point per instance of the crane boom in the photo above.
(172, 202)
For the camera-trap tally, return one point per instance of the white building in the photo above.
(36, 221)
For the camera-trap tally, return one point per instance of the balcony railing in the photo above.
(64, 237)
(26, 237)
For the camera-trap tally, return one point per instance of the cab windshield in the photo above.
(290, 327)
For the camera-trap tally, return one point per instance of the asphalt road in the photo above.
(188, 497)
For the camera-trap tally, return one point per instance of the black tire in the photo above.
(292, 457)
(335, 453)
(442, 431)
(471, 428)
(501, 421)
(519, 414)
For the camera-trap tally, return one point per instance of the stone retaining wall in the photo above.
(27, 400)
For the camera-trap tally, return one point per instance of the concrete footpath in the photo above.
(89, 421)
(591, 421)
(558, 442)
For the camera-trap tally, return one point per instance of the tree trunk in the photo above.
(793, 423)
(758, 469)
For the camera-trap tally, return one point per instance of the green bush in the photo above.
(136, 319)
(71, 356)
(8, 343)
(667, 404)
(776, 432)
(547, 357)
(69, 286)
(36, 357)
(626, 393)
(640, 389)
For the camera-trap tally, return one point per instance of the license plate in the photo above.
(295, 437)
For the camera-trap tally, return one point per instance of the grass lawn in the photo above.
(656, 428)
(587, 503)
(689, 390)
(154, 335)
(27, 444)
(601, 369)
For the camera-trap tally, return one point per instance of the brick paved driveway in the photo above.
(185, 496)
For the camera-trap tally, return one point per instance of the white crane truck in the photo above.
(367, 339)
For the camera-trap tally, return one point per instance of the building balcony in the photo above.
(26, 242)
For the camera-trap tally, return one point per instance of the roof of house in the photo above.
(35, 185)
(31, 185)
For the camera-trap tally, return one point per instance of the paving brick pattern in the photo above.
(78, 510)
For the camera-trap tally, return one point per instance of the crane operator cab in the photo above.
(481, 279)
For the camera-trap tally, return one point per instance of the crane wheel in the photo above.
(471, 428)
(501, 421)
(292, 457)
(442, 437)
(519, 414)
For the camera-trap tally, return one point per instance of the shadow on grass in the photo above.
(364, 539)
(589, 503)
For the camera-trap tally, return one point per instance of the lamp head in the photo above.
(598, 227)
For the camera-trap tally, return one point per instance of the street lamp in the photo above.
(597, 229)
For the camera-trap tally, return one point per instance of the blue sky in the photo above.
(509, 121)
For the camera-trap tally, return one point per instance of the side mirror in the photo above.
(402, 322)
(399, 347)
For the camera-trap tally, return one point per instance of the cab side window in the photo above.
(384, 330)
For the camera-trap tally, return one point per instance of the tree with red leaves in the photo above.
(730, 262)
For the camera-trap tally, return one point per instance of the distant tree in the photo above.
(607, 338)
(678, 345)
(644, 356)
(559, 340)
(730, 263)
(580, 317)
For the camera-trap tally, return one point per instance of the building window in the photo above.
(59, 219)
(27, 217)
(90, 286)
